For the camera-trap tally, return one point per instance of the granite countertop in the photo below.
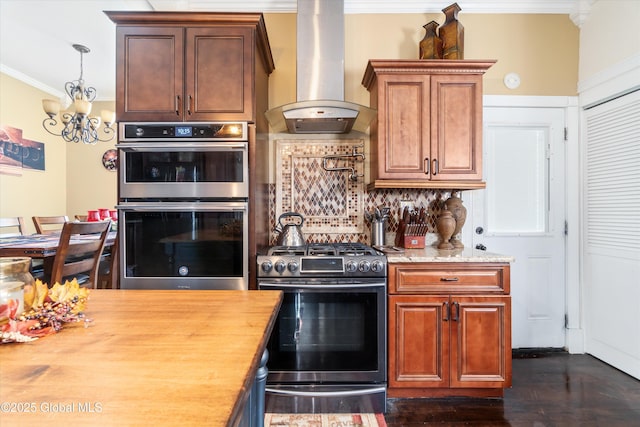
(433, 254)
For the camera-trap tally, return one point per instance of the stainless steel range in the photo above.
(327, 352)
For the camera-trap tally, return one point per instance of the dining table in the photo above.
(42, 247)
(146, 357)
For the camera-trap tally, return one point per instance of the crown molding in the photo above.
(375, 6)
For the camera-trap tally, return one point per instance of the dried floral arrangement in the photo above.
(46, 310)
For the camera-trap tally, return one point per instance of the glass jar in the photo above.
(14, 276)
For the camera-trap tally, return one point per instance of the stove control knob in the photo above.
(351, 267)
(292, 266)
(364, 266)
(267, 266)
(280, 266)
(377, 266)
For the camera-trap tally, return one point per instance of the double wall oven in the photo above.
(183, 205)
(327, 352)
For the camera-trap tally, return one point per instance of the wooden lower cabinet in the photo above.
(448, 344)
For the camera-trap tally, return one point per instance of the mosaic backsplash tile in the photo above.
(332, 203)
(431, 200)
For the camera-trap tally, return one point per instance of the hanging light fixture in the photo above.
(78, 125)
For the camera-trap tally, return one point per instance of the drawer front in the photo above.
(448, 278)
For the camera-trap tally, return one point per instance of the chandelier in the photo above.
(77, 124)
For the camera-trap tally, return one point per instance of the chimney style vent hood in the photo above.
(320, 106)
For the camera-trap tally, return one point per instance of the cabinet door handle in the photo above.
(426, 166)
(449, 279)
(434, 171)
(456, 307)
(190, 105)
(177, 105)
(445, 310)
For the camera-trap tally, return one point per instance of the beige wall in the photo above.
(609, 35)
(74, 179)
(543, 49)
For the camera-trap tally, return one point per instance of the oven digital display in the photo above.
(184, 131)
(321, 265)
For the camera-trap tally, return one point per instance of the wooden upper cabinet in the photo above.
(428, 130)
(191, 67)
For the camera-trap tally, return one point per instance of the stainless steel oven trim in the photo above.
(228, 283)
(184, 189)
(242, 137)
(320, 287)
(350, 392)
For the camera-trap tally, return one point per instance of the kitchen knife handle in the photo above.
(177, 105)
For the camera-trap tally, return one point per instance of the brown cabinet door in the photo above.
(149, 73)
(218, 73)
(480, 342)
(403, 127)
(456, 127)
(418, 341)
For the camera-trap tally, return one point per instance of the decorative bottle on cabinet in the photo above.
(459, 212)
(445, 224)
(452, 33)
(431, 44)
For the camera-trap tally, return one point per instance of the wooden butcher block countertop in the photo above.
(147, 358)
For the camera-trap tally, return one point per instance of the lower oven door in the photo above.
(329, 332)
(327, 351)
(183, 245)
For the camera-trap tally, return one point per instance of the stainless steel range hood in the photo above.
(320, 106)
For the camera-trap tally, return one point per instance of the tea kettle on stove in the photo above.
(290, 234)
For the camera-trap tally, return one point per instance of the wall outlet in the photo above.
(406, 203)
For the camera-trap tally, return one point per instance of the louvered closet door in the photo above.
(612, 232)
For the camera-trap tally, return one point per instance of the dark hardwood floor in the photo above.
(550, 388)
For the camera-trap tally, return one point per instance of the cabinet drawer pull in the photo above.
(190, 105)
(445, 310)
(456, 307)
(435, 167)
(177, 105)
(426, 166)
(449, 279)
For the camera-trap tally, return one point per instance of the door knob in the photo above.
(481, 247)
(479, 230)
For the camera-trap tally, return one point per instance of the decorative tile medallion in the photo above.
(323, 181)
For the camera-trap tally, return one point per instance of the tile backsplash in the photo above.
(431, 200)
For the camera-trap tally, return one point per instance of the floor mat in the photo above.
(324, 420)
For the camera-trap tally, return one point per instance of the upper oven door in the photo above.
(183, 169)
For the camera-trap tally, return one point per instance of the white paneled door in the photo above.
(522, 213)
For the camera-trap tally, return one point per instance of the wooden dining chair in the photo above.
(49, 224)
(79, 260)
(81, 218)
(12, 226)
(108, 272)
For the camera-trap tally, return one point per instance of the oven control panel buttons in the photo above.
(364, 266)
(280, 266)
(377, 267)
(351, 267)
(183, 270)
(266, 266)
(292, 266)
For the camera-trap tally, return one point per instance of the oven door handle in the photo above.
(184, 206)
(319, 286)
(358, 392)
(183, 146)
